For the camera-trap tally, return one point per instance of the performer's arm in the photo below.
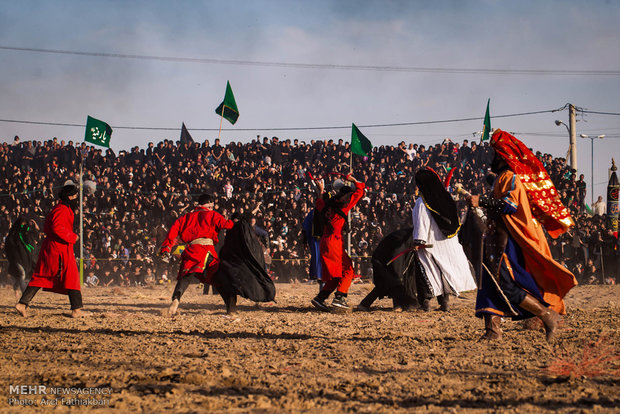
(172, 236)
(507, 203)
(219, 222)
(496, 206)
(356, 196)
(61, 227)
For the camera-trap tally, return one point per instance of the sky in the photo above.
(307, 65)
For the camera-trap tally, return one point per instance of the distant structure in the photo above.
(612, 198)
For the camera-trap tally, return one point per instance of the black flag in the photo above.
(185, 136)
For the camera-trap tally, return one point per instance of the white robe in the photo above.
(446, 257)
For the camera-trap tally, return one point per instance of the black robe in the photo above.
(403, 277)
(17, 252)
(472, 236)
(242, 266)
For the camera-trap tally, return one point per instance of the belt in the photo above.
(203, 241)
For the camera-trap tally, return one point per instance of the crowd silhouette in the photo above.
(142, 191)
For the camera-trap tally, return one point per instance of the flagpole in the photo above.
(221, 119)
(81, 218)
(349, 213)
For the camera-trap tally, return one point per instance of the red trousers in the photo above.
(336, 265)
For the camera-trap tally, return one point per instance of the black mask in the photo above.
(490, 179)
(498, 164)
(72, 204)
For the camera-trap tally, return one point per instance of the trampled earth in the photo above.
(287, 357)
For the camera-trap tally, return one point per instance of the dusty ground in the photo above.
(286, 357)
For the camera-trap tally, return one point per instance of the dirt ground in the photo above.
(287, 357)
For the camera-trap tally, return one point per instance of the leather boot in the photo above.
(549, 317)
(493, 327)
(444, 302)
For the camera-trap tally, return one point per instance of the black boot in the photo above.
(319, 301)
(340, 301)
(444, 302)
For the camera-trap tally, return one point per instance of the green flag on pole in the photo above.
(486, 129)
(97, 132)
(360, 145)
(228, 108)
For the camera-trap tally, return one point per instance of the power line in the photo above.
(285, 129)
(472, 71)
(600, 113)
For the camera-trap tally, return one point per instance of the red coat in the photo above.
(200, 223)
(336, 261)
(56, 269)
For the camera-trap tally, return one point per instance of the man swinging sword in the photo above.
(198, 230)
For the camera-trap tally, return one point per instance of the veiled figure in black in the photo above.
(19, 250)
(402, 280)
(242, 268)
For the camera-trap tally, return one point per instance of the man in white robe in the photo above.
(444, 263)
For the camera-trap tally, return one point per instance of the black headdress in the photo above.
(438, 201)
(205, 198)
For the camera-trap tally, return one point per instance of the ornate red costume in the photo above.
(336, 263)
(198, 230)
(56, 269)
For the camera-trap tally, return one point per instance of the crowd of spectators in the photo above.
(141, 192)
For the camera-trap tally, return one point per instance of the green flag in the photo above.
(360, 145)
(228, 108)
(97, 132)
(486, 129)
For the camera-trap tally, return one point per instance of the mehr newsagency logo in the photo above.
(43, 395)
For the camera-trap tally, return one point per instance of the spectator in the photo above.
(124, 220)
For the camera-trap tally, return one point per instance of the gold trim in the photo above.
(436, 212)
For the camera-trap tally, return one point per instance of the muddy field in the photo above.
(286, 357)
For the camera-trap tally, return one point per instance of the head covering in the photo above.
(340, 184)
(17, 225)
(438, 201)
(66, 191)
(205, 198)
(544, 200)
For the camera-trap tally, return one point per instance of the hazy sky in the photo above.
(391, 37)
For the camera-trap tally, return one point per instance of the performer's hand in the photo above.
(320, 185)
(350, 177)
(474, 201)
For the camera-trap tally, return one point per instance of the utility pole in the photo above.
(572, 130)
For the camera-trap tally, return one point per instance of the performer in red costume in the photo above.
(56, 269)
(199, 230)
(337, 268)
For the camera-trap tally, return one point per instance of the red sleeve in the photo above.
(61, 225)
(219, 222)
(357, 196)
(172, 236)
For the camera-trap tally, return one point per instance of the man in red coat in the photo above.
(198, 230)
(337, 268)
(56, 269)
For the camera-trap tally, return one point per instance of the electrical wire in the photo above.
(600, 113)
(285, 129)
(474, 71)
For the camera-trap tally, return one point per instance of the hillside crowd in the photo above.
(142, 191)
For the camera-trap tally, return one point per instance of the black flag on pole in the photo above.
(185, 136)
